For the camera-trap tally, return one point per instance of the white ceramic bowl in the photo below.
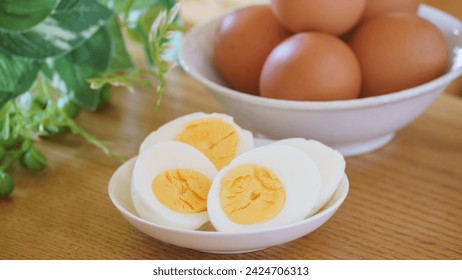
(211, 241)
(351, 126)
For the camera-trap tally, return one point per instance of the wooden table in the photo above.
(405, 200)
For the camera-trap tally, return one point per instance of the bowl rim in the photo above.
(372, 101)
(216, 234)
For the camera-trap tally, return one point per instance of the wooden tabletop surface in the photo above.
(405, 199)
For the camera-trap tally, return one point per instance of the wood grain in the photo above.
(405, 200)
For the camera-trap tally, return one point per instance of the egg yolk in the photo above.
(251, 194)
(182, 190)
(214, 137)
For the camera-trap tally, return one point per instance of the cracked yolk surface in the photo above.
(251, 194)
(214, 137)
(182, 190)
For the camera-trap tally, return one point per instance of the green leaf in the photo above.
(140, 15)
(18, 15)
(68, 26)
(139, 30)
(16, 76)
(125, 79)
(136, 6)
(69, 74)
(120, 58)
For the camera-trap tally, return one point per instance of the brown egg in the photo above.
(398, 51)
(378, 7)
(311, 66)
(332, 16)
(244, 39)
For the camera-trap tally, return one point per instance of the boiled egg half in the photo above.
(266, 187)
(216, 135)
(330, 162)
(170, 184)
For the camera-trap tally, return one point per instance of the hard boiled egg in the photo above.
(335, 17)
(170, 185)
(330, 162)
(311, 66)
(216, 135)
(243, 41)
(378, 7)
(268, 186)
(398, 51)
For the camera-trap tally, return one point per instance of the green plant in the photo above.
(60, 56)
(6, 184)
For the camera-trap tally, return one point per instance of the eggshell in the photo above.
(377, 7)
(332, 16)
(311, 66)
(244, 39)
(397, 51)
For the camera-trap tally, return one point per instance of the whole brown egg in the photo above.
(331, 16)
(244, 39)
(311, 66)
(397, 51)
(378, 7)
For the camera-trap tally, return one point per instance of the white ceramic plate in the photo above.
(211, 241)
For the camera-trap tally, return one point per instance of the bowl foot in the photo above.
(361, 147)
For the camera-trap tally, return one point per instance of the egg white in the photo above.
(297, 172)
(330, 162)
(156, 159)
(171, 129)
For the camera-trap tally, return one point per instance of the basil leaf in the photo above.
(17, 15)
(17, 76)
(68, 26)
(69, 73)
